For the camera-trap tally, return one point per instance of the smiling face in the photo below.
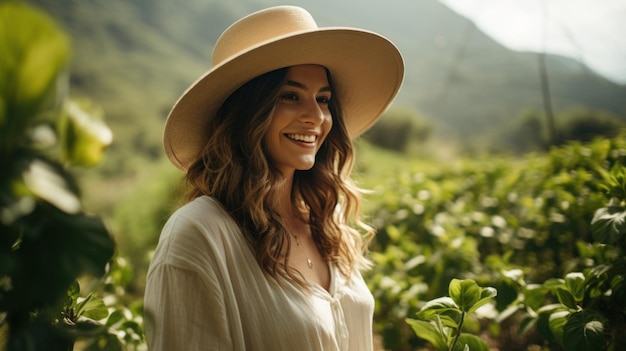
(301, 119)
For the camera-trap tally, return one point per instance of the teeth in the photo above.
(302, 137)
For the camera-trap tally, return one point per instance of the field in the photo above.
(511, 223)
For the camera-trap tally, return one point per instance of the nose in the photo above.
(313, 113)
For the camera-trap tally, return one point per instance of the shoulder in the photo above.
(201, 214)
(197, 231)
(200, 207)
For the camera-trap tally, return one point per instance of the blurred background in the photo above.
(486, 80)
(474, 69)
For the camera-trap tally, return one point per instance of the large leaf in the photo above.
(566, 298)
(35, 52)
(486, 294)
(534, 295)
(584, 331)
(575, 283)
(465, 293)
(440, 307)
(471, 342)
(92, 307)
(56, 249)
(557, 322)
(430, 332)
(609, 224)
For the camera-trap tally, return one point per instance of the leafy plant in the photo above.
(47, 239)
(441, 320)
(590, 308)
(512, 224)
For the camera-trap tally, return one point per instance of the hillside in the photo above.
(136, 57)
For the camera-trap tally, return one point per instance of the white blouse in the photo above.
(206, 291)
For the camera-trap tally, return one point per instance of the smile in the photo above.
(302, 137)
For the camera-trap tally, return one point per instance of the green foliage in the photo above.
(440, 321)
(591, 306)
(35, 55)
(585, 125)
(48, 241)
(514, 224)
(398, 129)
(528, 132)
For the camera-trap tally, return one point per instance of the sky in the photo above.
(591, 31)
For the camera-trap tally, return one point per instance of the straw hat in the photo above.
(367, 71)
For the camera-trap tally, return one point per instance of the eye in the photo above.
(290, 96)
(323, 99)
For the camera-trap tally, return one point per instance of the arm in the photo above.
(184, 311)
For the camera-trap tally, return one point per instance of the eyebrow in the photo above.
(302, 86)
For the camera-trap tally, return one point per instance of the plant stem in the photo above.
(458, 332)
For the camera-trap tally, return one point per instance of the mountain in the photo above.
(136, 57)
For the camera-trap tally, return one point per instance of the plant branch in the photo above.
(458, 333)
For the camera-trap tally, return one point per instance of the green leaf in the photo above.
(92, 307)
(609, 224)
(429, 332)
(566, 298)
(508, 312)
(65, 247)
(584, 331)
(74, 291)
(471, 342)
(35, 53)
(575, 283)
(486, 294)
(516, 275)
(553, 283)
(557, 322)
(534, 296)
(465, 293)
(439, 306)
(84, 135)
(450, 320)
(526, 324)
(615, 182)
(115, 317)
(551, 308)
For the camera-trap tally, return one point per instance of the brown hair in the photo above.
(234, 169)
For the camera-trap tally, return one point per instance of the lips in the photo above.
(307, 138)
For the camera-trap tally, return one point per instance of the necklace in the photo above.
(309, 261)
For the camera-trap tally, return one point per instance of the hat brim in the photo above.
(367, 71)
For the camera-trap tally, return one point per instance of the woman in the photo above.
(263, 256)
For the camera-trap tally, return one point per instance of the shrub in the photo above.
(484, 220)
(397, 129)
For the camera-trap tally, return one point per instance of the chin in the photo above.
(306, 166)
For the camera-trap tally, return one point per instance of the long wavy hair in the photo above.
(234, 169)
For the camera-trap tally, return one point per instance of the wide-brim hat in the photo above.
(367, 71)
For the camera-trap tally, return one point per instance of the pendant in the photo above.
(309, 263)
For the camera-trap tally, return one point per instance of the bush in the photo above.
(397, 129)
(490, 221)
(586, 125)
